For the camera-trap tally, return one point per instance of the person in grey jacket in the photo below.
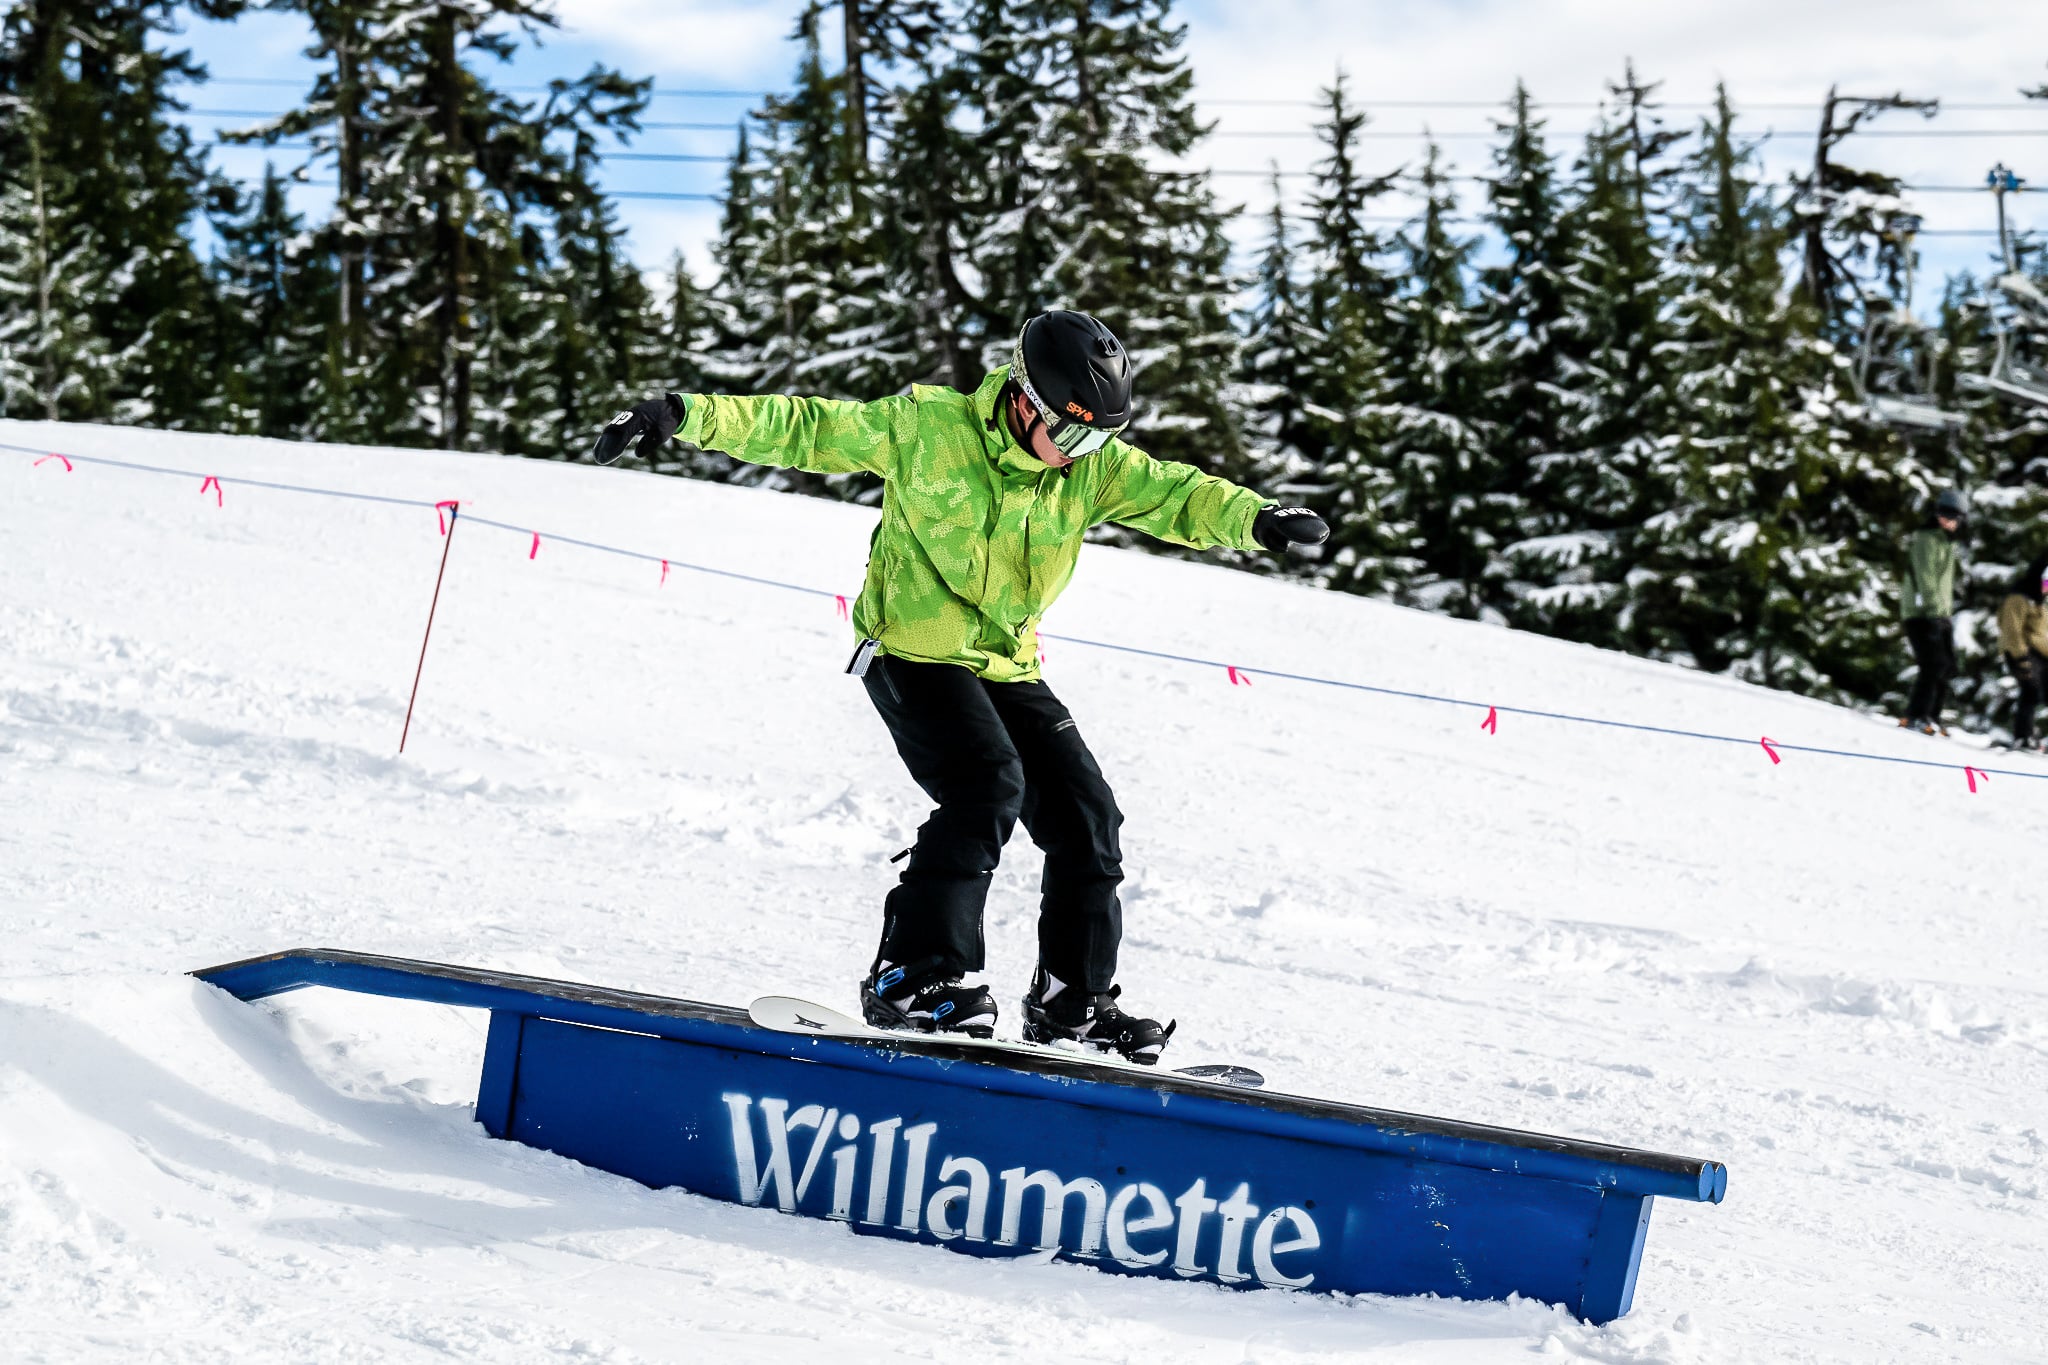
(1927, 602)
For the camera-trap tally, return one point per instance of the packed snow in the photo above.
(1827, 973)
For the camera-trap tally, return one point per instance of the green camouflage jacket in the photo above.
(1930, 586)
(978, 535)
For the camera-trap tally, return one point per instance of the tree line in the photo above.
(1616, 387)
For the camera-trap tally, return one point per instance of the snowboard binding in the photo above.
(926, 997)
(1094, 1021)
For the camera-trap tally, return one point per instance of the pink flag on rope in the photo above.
(453, 507)
(1972, 774)
(1766, 742)
(53, 455)
(664, 573)
(534, 553)
(1237, 677)
(841, 601)
(1492, 722)
(214, 484)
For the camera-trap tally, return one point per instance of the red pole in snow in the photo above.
(447, 544)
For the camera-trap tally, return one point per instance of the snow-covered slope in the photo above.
(1828, 973)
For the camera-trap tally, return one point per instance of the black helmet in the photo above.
(1078, 377)
(1950, 503)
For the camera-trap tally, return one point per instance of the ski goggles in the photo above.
(1071, 438)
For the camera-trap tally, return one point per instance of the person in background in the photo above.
(2023, 641)
(1927, 602)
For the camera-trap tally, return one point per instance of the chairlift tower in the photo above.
(2003, 182)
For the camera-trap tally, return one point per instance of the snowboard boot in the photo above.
(1055, 1013)
(926, 997)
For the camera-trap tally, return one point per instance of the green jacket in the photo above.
(1930, 586)
(978, 535)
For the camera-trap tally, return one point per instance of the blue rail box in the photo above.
(1002, 1154)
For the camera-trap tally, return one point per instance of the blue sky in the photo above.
(1256, 65)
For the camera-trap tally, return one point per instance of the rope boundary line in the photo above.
(1309, 679)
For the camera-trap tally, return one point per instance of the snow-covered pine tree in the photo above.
(335, 120)
(273, 320)
(1273, 369)
(1137, 243)
(676, 351)
(443, 178)
(1608, 477)
(2001, 458)
(898, 320)
(928, 324)
(1347, 390)
(599, 309)
(1440, 434)
(789, 246)
(1014, 226)
(1520, 339)
(55, 281)
(122, 181)
(1753, 565)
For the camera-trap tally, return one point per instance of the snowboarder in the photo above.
(2023, 643)
(985, 500)
(1927, 602)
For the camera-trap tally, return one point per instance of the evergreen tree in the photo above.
(1521, 341)
(275, 305)
(1756, 563)
(1609, 476)
(442, 178)
(601, 312)
(1439, 440)
(1139, 247)
(55, 281)
(1347, 390)
(87, 109)
(928, 325)
(1275, 364)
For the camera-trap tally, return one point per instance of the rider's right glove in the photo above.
(650, 424)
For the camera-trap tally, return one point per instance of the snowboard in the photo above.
(786, 1014)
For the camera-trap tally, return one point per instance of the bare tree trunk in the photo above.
(856, 86)
(452, 237)
(1818, 275)
(348, 118)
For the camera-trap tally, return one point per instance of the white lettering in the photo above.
(1264, 1248)
(1236, 1211)
(1194, 1205)
(820, 1119)
(1093, 1199)
(879, 1166)
(975, 1192)
(755, 1180)
(1122, 1225)
(843, 1160)
(959, 1208)
(919, 1141)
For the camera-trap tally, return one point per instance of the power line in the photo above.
(1369, 134)
(721, 160)
(1775, 106)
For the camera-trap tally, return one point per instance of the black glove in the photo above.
(651, 423)
(1276, 528)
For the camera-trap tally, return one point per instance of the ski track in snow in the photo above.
(1828, 974)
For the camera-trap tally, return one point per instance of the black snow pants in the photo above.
(990, 754)
(2030, 671)
(1934, 649)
